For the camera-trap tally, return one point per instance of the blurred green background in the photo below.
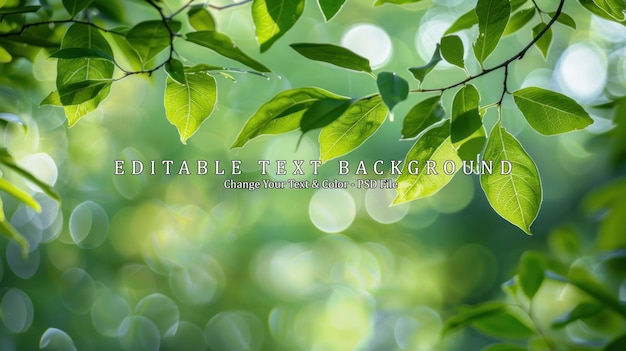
(180, 263)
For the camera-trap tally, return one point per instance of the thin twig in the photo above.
(224, 7)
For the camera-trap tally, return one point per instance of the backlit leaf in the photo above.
(420, 72)
(322, 113)
(467, 132)
(19, 194)
(434, 146)
(200, 18)
(352, 128)
(452, 50)
(75, 6)
(187, 106)
(393, 88)
(519, 20)
(7, 229)
(467, 20)
(7, 160)
(565, 19)
(76, 70)
(543, 44)
(596, 10)
(530, 273)
(549, 112)
(281, 114)
(79, 92)
(224, 46)
(150, 38)
(333, 54)
(614, 8)
(517, 195)
(505, 324)
(581, 311)
(5, 56)
(421, 116)
(176, 71)
(493, 16)
(273, 18)
(330, 7)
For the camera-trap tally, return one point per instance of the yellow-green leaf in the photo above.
(187, 106)
(514, 192)
(273, 18)
(151, 37)
(224, 46)
(614, 8)
(200, 18)
(19, 194)
(543, 44)
(281, 114)
(333, 54)
(352, 128)
(421, 116)
(493, 16)
(433, 147)
(5, 56)
(549, 112)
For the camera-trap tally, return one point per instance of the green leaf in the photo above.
(281, 114)
(7, 229)
(468, 315)
(452, 50)
(434, 146)
(466, 21)
(76, 70)
(176, 71)
(322, 113)
(79, 92)
(420, 72)
(530, 273)
(396, 2)
(614, 8)
(421, 116)
(618, 344)
(467, 132)
(519, 20)
(273, 18)
(150, 38)
(53, 99)
(75, 6)
(504, 324)
(515, 196)
(353, 128)
(224, 46)
(516, 4)
(565, 19)
(330, 7)
(19, 194)
(5, 56)
(335, 55)
(543, 44)
(7, 160)
(549, 112)
(393, 88)
(581, 311)
(187, 106)
(504, 347)
(200, 18)
(593, 8)
(493, 16)
(76, 53)
(564, 242)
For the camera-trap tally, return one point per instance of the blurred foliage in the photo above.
(178, 262)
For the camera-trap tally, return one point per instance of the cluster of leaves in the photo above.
(589, 286)
(90, 52)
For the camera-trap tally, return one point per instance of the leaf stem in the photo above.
(504, 64)
(224, 7)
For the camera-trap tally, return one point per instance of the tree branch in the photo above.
(224, 7)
